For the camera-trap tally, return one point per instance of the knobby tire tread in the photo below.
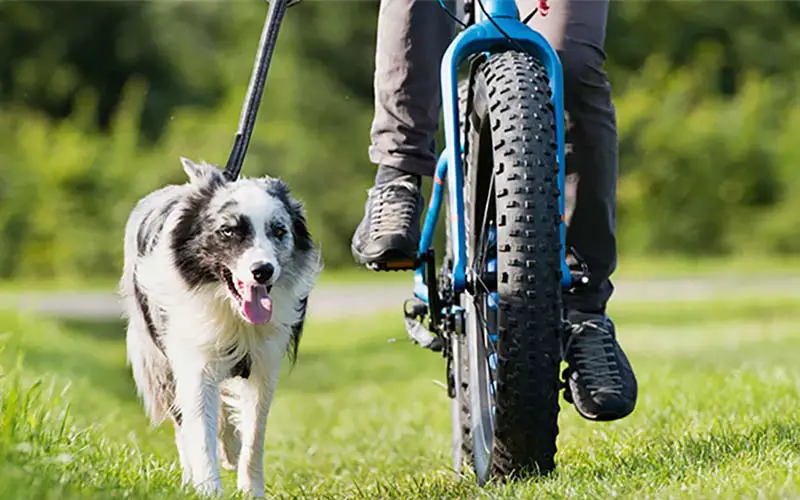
(512, 95)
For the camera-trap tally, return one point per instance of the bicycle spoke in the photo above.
(481, 317)
(484, 222)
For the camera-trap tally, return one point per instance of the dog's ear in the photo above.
(302, 237)
(297, 212)
(201, 173)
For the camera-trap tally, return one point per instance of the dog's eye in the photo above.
(279, 232)
(226, 232)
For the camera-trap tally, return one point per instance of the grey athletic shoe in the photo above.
(600, 381)
(390, 228)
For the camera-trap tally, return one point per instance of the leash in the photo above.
(255, 90)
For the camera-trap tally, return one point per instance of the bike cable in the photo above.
(501, 30)
(530, 16)
(543, 8)
(451, 15)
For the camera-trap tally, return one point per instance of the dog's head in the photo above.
(247, 236)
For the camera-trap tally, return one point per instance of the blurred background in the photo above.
(99, 99)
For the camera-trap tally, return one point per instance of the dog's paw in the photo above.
(186, 477)
(251, 489)
(209, 488)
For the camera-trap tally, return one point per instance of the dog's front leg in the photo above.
(198, 395)
(255, 401)
(186, 468)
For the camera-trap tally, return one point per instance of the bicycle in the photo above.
(494, 307)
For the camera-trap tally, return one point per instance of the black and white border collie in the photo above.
(216, 280)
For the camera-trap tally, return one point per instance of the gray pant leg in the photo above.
(412, 38)
(577, 29)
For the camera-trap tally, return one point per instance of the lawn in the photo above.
(363, 414)
(630, 268)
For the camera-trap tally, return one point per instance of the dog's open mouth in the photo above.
(253, 301)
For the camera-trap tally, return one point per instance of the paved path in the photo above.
(337, 301)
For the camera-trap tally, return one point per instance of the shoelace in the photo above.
(591, 355)
(393, 208)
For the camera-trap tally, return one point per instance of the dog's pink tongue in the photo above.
(256, 304)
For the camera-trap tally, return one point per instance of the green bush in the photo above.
(709, 120)
(702, 173)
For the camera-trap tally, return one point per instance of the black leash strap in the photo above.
(247, 120)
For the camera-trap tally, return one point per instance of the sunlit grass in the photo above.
(362, 415)
(629, 268)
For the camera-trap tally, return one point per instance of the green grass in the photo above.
(630, 268)
(633, 267)
(362, 415)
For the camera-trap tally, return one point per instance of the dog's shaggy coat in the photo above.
(215, 286)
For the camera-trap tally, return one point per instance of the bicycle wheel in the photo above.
(509, 388)
(459, 361)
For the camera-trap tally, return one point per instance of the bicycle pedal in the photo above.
(420, 335)
(393, 265)
(414, 313)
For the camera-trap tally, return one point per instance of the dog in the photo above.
(215, 287)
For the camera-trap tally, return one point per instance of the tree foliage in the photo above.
(100, 98)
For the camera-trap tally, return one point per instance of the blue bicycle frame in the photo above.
(482, 37)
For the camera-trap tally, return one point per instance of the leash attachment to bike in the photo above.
(255, 90)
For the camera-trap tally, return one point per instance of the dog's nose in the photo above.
(262, 272)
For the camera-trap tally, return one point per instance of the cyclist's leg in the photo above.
(602, 387)
(412, 37)
(576, 28)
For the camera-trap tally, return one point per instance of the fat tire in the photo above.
(511, 108)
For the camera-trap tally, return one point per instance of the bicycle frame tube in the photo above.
(429, 225)
(484, 36)
(498, 9)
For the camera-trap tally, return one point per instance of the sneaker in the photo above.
(390, 228)
(600, 381)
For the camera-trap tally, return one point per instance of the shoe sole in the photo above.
(594, 417)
